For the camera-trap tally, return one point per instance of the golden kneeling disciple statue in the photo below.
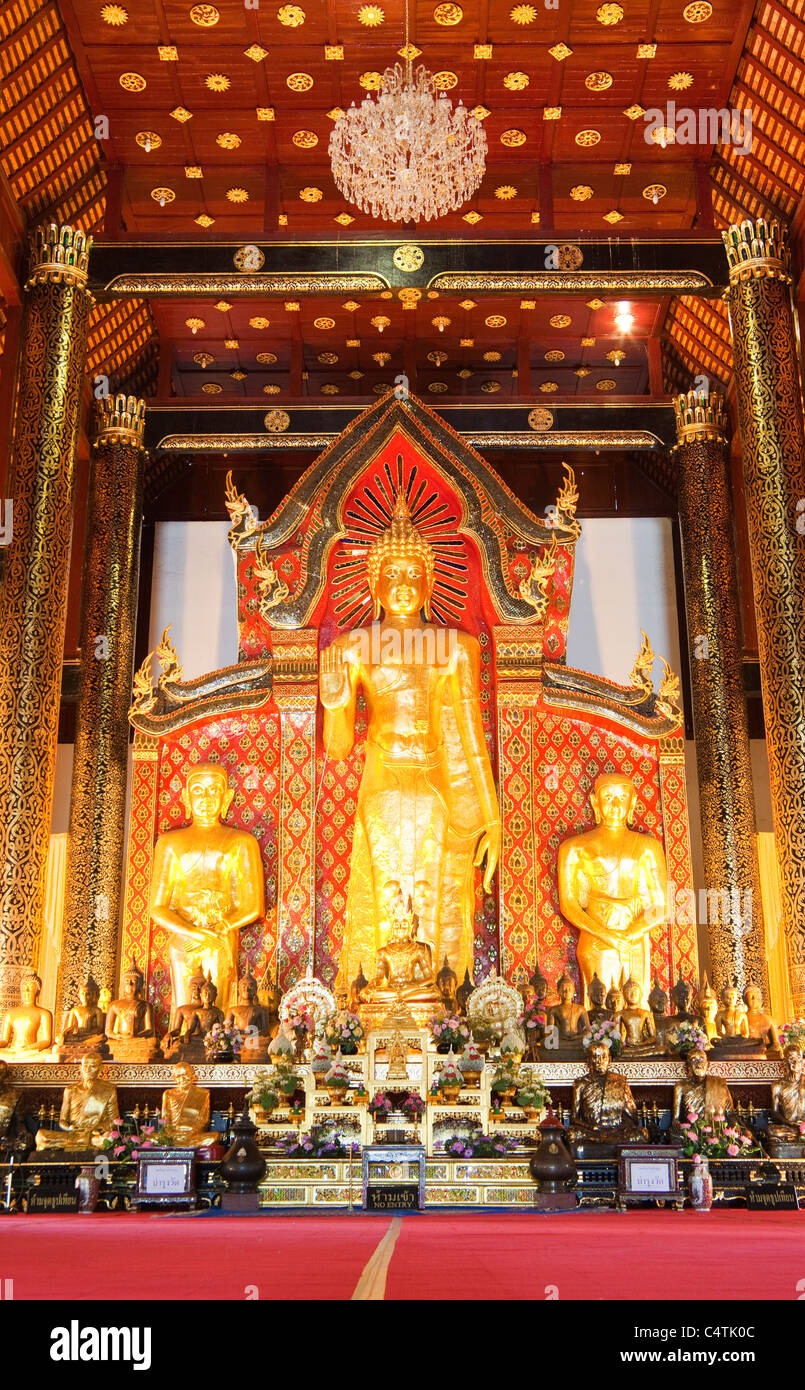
(88, 1111)
(186, 1110)
(207, 883)
(27, 1029)
(612, 887)
(427, 810)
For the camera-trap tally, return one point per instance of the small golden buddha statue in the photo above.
(637, 1023)
(700, 1094)
(207, 1013)
(207, 883)
(682, 997)
(760, 1024)
(597, 994)
(186, 1110)
(568, 1018)
(788, 1102)
(404, 964)
(447, 984)
(463, 993)
(356, 990)
(13, 1134)
(658, 1003)
(604, 1110)
(427, 806)
(612, 887)
(130, 1016)
(182, 1014)
(27, 1029)
(730, 1020)
(248, 1014)
(615, 1001)
(88, 1111)
(84, 1022)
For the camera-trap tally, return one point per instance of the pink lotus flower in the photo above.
(118, 1149)
(732, 1150)
(691, 1117)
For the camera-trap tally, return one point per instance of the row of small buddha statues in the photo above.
(734, 1027)
(125, 1027)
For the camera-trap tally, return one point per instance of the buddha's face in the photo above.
(208, 996)
(709, 1008)
(598, 1059)
(753, 999)
(613, 800)
(402, 585)
(697, 1064)
(597, 994)
(130, 987)
(90, 1069)
(682, 998)
(205, 793)
(29, 993)
(729, 998)
(183, 1076)
(793, 1061)
(247, 992)
(566, 991)
(615, 1001)
(631, 993)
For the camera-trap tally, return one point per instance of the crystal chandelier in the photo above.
(408, 155)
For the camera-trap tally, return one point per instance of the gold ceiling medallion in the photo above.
(512, 138)
(371, 15)
(270, 389)
(291, 16)
(437, 357)
(343, 219)
(680, 81)
(148, 140)
(328, 388)
(205, 16)
(305, 139)
(195, 324)
(409, 52)
(163, 196)
(587, 138)
(646, 50)
(609, 14)
(217, 82)
(555, 355)
(238, 376)
(181, 114)
(132, 82)
(228, 140)
(299, 81)
(581, 371)
(607, 384)
(114, 15)
(560, 321)
(249, 258)
(492, 356)
(256, 52)
(622, 169)
(211, 388)
(277, 421)
(473, 217)
(540, 419)
(381, 358)
(569, 257)
(516, 81)
(560, 51)
(581, 192)
(445, 81)
(548, 387)
(237, 195)
(448, 14)
(311, 195)
(616, 356)
(490, 387)
(613, 216)
(259, 321)
(371, 81)
(327, 359)
(204, 359)
(505, 192)
(598, 81)
(266, 359)
(437, 387)
(408, 257)
(324, 323)
(666, 135)
(496, 321)
(523, 14)
(698, 12)
(635, 111)
(654, 191)
(551, 113)
(409, 298)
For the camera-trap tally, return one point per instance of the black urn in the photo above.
(244, 1165)
(552, 1167)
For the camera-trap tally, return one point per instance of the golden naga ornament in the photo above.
(427, 811)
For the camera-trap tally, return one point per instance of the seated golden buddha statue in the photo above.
(568, 1019)
(357, 990)
(612, 887)
(88, 1111)
(427, 805)
(84, 1023)
(207, 1012)
(732, 1036)
(700, 1094)
(788, 1103)
(186, 1110)
(249, 1015)
(597, 994)
(404, 965)
(182, 1014)
(130, 1016)
(637, 1024)
(615, 1002)
(658, 1003)
(207, 883)
(604, 1110)
(447, 984)
(13, 1134)
(27, 1029)
(682, 997)
(760, 1024)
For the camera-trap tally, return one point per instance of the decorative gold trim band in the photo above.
(266, 282)
(700, 417)
(757, 250)
(665, 281)
(120, 419)
(59, 254)
(559, 439)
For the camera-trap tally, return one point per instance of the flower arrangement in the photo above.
(413, 1107)
(345, 1031)
(607, 1031)
(264, 1092)
(718, 1140)
(533, 1095)
(337, 1076)
(321, 1142)
(449, 1031)
(381, 1105)
(322, 1056)
(534, 1015)
(125, 1146)
(450, 1077)
(280, 1049)
(471, 1059)
(505, 1079)
(223, 1040)
(286, 1084)
(479, 1146)
(793, 1032)
(687, 1037)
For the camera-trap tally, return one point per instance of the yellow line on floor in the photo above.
(371, 1287)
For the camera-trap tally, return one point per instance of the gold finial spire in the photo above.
(643, 667)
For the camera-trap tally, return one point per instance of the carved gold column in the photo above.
(109, 612)
(726, 794)
(34, 595)
(770, 405)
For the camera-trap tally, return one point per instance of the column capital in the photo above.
(700, 417)
(757, 251)
(120, 420)
(59, 255)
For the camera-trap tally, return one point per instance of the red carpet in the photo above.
(591, 1255)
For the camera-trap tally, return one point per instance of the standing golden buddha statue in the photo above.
(612, 887)
(207, 883)
(427, 810)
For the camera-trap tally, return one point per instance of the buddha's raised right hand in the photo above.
(334, 685)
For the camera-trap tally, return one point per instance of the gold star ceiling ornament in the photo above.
(114, 15)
